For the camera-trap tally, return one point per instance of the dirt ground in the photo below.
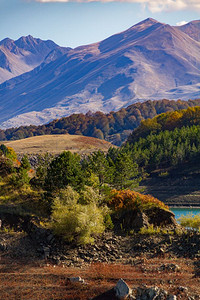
(39, 279)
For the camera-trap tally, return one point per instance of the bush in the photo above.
(8, 152)
(74, 221)
(6, 166)
(154, 230)
(127, 199)
(190, 221)
(89, 195)
(20, 179)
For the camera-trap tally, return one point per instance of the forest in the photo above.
(114, 127)
(72, 191)
(75, 197)
(166, 140)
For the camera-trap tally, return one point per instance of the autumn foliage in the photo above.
(114, 127)
(167, 121)
(127, 199)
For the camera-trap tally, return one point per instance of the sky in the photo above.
(80, 22)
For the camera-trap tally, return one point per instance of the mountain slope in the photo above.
(23, 55)
(149, 60)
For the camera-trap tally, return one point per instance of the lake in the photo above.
(179, 211)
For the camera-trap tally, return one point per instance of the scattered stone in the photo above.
(169, 267)
(46, 251)
(153, 293)
(76, 279)
(171, 297)
(182, 289)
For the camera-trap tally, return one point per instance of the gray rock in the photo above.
(122, 290)
(183, 288)
(46, 252)
(171, 297)
(153, 293)
(76, 279)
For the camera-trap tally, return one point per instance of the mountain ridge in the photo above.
(23, 55)
(149, 60)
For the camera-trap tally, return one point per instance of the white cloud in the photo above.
(181, 23)
(153, 5)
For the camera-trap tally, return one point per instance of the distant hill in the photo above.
(114, 127)
(150, 60)
(167, 121)
(57, 143)
(25, 54)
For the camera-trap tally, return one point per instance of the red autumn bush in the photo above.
(127, 199)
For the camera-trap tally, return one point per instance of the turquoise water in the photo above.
(184, 211)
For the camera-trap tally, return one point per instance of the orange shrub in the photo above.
(18, 163)
(127, 199)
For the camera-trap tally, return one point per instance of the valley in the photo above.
(90, 166)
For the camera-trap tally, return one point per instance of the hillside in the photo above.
(114, 127)
(150, 60)
(167, 147)
(177, 186)
(166, 121)
(57, 143)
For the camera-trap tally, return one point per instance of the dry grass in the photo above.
(57, 143)
(36, 280)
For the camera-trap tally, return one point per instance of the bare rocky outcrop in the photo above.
(161, 217)
(137, 219)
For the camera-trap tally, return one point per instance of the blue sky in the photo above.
(82, 22)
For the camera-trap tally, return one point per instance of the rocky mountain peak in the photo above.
(145, 24)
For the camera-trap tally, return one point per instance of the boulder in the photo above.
(161, 217)
(136, 219)
(132, 220)
(122, 290)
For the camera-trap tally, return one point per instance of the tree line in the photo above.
(114, 127)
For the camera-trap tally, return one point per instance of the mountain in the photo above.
(23, 55)
(150, 60)
(192, 29)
